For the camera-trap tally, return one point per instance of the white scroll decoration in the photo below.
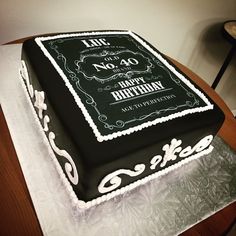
(70, 165)
(24, 74)
(201, 145)
(155, 161)
(170, 151)
(39, 102)
(115, 181)
(46, 120)
(174, 148)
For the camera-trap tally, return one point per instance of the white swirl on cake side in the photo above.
(70, 165)
(173, 148)
(172, 151)
(39, 103)
(115, 180)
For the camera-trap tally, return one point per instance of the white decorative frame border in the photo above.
(78, 101)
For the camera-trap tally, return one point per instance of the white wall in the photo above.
(187, 30)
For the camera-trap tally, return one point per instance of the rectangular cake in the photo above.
(114, 111)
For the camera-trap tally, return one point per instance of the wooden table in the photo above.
(17, 214)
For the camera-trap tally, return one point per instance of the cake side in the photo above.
(109, 168)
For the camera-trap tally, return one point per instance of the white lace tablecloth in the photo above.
(165, 206)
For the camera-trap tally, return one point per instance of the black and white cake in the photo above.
(115, 111)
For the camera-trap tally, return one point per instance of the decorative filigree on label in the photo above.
(115, 181)
(70, 165)
(112, 65)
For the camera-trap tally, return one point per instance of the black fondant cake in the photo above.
(115, 111)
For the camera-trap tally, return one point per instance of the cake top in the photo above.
(120, 82)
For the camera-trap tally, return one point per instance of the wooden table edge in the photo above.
(229, 125)
(17, 212)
